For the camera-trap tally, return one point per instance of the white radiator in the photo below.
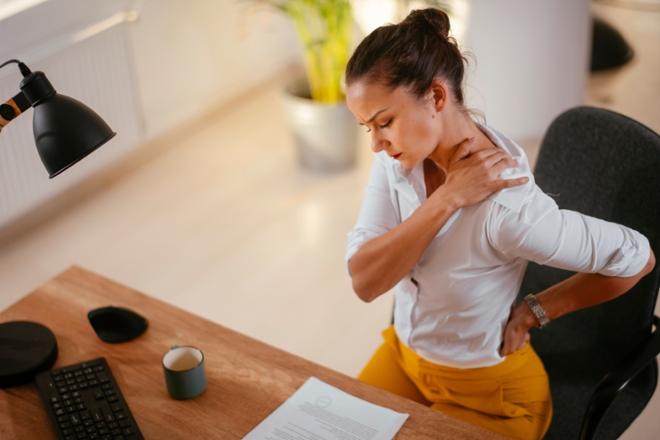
(91, 63)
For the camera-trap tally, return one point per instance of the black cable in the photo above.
(8, 62)
(25, 71)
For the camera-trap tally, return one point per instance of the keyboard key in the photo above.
(103, 378)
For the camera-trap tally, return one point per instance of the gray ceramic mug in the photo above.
(184, 372)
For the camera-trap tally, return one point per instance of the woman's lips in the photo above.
(396, 156)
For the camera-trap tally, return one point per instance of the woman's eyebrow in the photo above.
(374, 116)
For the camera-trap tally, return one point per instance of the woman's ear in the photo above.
(439, 93)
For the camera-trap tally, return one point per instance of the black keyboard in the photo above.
(84, 402)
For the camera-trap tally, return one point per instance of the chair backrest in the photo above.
(605, 165)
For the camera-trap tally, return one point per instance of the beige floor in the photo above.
(222, 223)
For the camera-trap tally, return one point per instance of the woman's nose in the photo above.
(377, 143)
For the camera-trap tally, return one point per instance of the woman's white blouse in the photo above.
(453, 306)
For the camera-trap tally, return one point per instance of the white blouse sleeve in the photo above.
(541, 232)
(377, 214)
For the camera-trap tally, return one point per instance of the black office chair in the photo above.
(602, 360)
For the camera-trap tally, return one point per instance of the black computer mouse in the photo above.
(117, 324)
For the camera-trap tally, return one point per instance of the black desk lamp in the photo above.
(65, 130)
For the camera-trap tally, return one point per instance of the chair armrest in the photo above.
(616, 380)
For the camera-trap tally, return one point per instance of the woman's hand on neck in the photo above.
(456, 127)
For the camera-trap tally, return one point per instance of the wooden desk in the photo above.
(247, 379)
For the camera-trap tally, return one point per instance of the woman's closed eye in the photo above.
(385, 125)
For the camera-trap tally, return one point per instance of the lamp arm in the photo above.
(13, 107)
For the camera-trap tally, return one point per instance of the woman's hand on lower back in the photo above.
(516, 332)
(471, 178)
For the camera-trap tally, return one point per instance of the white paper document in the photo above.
(318, 411)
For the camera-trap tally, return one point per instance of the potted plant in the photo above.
(324, 130)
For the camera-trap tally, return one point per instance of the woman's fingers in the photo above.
(512, 343)
(508, 183)
(480, 156)
(498, 158)
(462, 150)
(503, 164)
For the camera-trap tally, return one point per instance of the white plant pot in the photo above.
(326, 135)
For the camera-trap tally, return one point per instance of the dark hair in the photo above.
(411, 53)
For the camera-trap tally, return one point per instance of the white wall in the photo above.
(190, 55)
(532, 60)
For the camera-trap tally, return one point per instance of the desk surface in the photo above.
(247, 379)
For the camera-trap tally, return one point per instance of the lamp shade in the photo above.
(65, 131)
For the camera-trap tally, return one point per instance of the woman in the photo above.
(450, 218)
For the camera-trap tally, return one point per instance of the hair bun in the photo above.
(432, 18)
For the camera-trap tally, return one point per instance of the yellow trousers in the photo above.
(511, 398)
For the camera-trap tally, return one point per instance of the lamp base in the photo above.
(26, 348)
